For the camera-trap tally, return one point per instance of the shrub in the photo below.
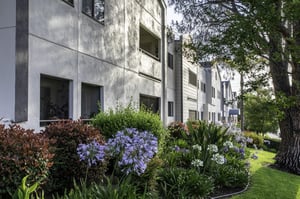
(272, 144)
(183, 183)
(111, 122)
(229, 176)
(22, 153)
(258, 140)
(177, 130)
(67, 165)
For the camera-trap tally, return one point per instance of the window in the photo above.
(170, 61)
(71, 2)
(193, 115)
(219, 116)
(202, 115)
(149, 43)
(170, 109)
(150, 103)
(219, 94)
(94, 9)
(203, 87)
(192, 78)
(90, 100)
(54, 99)
(213, 92)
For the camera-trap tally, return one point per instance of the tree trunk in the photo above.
(288, 156)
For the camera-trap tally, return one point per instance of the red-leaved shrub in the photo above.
(67, 165)
(22, 152)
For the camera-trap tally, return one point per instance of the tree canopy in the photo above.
(261, 112)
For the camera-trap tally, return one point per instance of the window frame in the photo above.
(69, 3)
(92, 16)
(100, 97)
(194, 83)
(157, 55)
(170, 108)
(45, 78)
(170, 61)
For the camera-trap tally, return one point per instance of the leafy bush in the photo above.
(184, 183)
(111, 122)
(109, 189)
(177, 130)
(207, 133)
(22, 153)
(258, 140)
(67, 165)
(272, 144)
(229, 176)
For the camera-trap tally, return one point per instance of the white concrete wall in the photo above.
(7, 58)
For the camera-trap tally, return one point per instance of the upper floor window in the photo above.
(170, 109)
(94, 9)
(149, 44)
(213, 92)
(71, 2)
(170, 61)
(192, 78)
(203, 87)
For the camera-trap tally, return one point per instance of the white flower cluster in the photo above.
(197, 163)
(197, 147)
(213, 148)
(219, 159)
(228, 144)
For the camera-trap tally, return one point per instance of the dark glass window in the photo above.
(170, 61)
(94, 9)
(193, 115)
(213, 92)
(90, 100)
(150, 103)
(170, 109)
(71, 2)
(149, 43)
(192, 78)
(54, 99)
(203, 87)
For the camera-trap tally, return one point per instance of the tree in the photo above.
(261, 112)
(247, 29)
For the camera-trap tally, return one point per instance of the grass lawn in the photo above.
(268, 183)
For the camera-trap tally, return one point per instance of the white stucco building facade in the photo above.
(66, 59)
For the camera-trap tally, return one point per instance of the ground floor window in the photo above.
(193, 115)
(90, 100)
(170, 109)
(150, 103)
(54, 99)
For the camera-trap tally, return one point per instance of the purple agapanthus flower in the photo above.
(92, 152)
(134, 149)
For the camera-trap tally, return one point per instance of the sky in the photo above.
(171, 15)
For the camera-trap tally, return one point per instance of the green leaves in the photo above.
(24, 192)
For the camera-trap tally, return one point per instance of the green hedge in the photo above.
(258, 140)
(272, 143)
(109, 123)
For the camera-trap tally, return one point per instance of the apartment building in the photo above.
(194, 89)
(68, 58)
